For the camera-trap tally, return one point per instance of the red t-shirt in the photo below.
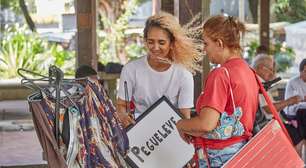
(216, 95)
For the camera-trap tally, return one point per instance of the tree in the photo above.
(19, 7)
(26, 15)
(290, 10)
(113, 9)
(114, 17)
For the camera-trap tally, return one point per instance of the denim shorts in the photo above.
(217, 157)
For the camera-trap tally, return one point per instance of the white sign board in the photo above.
(155, 141)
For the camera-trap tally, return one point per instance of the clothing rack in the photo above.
(59, 75)
(55, 78)
(70, 145)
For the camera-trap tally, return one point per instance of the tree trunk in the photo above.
(27, 16)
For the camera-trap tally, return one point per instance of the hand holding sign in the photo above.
(185, 137)
(155, 141)
(125, 119)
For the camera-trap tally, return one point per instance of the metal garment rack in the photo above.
(59, 75)
(54, 79)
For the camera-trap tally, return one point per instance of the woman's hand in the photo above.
(185, 137)
(125, 119)
(197, 126)
(123, 115)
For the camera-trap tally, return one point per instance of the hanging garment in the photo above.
(46, 136)
(96, 137)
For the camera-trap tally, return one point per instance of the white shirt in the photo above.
(147, 85)
(295, 86)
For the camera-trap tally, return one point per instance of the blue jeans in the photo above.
(217, 157)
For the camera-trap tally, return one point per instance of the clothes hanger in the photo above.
(56, 80)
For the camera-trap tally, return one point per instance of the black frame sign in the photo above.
(155, 141)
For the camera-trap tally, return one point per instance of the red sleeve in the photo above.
(215, 93)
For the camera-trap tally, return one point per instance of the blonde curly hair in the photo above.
(185, 51)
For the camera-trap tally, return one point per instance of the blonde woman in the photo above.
(165, 70)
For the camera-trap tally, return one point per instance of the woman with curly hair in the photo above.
(166, 70)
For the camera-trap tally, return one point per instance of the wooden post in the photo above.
(187, 10)
(86, 34)
(205, 62)
(156, 6)
(242, 18)
(167, 6)
(176, 8)
(264, 21)
(241, 10)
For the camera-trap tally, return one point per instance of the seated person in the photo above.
(297, 112)
(263, 64)
(296, 86)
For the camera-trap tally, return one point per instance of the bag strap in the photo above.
(230, 87)
(271, 106)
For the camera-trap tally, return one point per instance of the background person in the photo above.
(166, 70)
(263, 65)
(221, 37)
(296, 86)
(296, 113)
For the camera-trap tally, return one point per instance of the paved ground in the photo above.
(19, 145)
(20, 148)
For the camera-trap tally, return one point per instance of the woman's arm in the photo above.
(206, 121)
(185, 112)
(186, 115)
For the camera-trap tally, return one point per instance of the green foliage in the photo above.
(134, 50)
(21, 48)
(290, 10)
(11, 4)
(14, 5)
(283, 55)
(107, 50)
(252, 49)
(64, 59)
(113, 40)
